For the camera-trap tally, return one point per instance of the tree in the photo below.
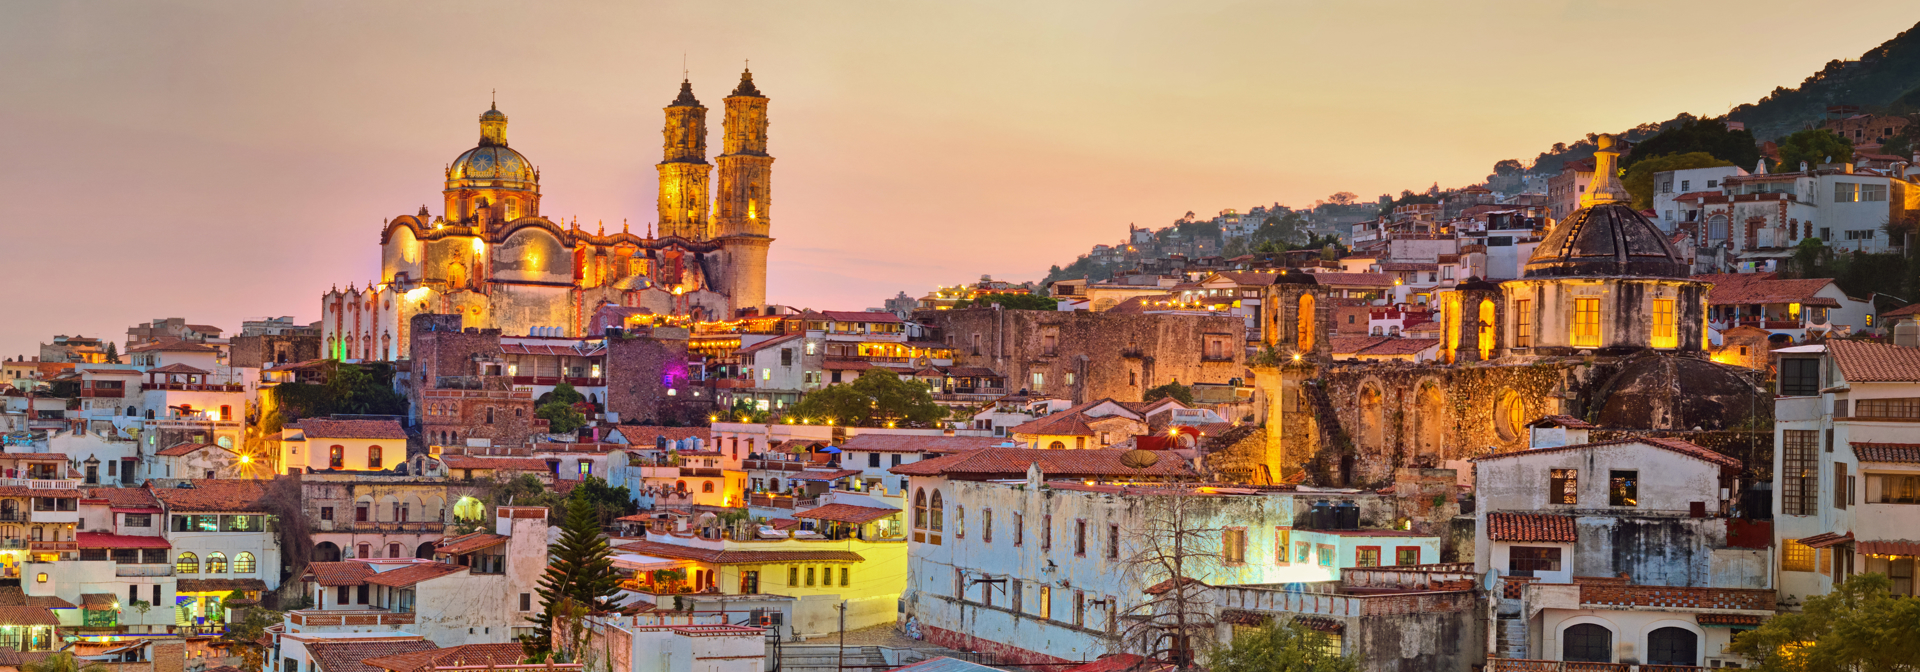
(1691, 135)
(606, 501)
(1009, 301)
(877, 398)
(580, 579)
(62, 661)
(563, 393)
(1639, 179)
(1508, 167)
(1278, 647)
(562, 418)
(245, 633)
(1813, 146)
(744, 410)
(1858, 626)
(1342, 198)
(1173, 545)
(113, 353)
(1180, 393)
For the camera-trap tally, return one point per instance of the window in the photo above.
(364, 551)
(1873, 193)
(704, 487)
(1522, 323)
(1525, 560)
(1893, 488)
(1019, 528)
(896, 460)
(1686, 185)
(1079, 537)
(1046, 601)
(1406, 555)
(1564, 486)
(1901, 409)
(1079, 608)
(959, 522)
(393, 550)
(1586, 322)
(1046, 532)
(337, 457)
(1366, 556)
(1233, 545)
(1666, 333)
(1666, 187)
(986, 525)
(793, 576)
(1841, 493)
(936, 510)
(1113, 542)
(360, 512)
(1587, 643)
(1799, 377)
(919, 509)
(526, 600)
(1282, 545)
(1039, 381)
(1326, 554)
(1713, 184)
(1846, 192)
(1303, 552)
(137, 519)
(810, 575)
(843, 577)
(326, 513)
(1672, 646)
(873, 460)
(244, 563)
(187, 563)
(1623, 488)
(1799, 475)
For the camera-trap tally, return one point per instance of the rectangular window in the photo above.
(793, 576)
(810, 575)
(1892, 409)
(1079, 608)
(1586, 322)
(1406, 555)
(138, 520)
(1799, 471)
(1564, 486)
(1079, 537)
(986, 525)
(326, 513)
(1840, 490)
(1525, 560)
(1846, 192)
(1282, 544)
(1233, 545)
(1522, 323)
(526, 601)
(1046, 601)
(1799, 377)
(1893, 488)
(1366, 556)
(1685, 185)
(1046, 532)
(1873, 193)
(1666, 333)
(1113, 542)
(1039, 381)
(1019, 528)
(843, 577)
(1623, 488)
(1326, 555)
(1795, 556)
(1302, 552)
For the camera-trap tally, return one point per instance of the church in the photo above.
(492, 258)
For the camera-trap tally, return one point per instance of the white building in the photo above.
(1672, 183)
(221, 544)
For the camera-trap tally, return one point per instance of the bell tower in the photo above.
(684, 171)
(744, 203)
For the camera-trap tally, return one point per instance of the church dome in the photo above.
(492, 161)
(1606, 236)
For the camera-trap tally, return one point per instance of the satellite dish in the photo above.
(1491, 580)
(1139, 459)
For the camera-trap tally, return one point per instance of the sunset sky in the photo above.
(225, 160)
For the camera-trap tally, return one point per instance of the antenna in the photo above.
(494, 101)
(683, 66)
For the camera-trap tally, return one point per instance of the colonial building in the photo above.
(492, 257)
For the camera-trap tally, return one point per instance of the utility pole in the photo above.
(843, 636)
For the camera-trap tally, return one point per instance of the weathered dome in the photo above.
(1664, 391)
(1607, 239)
(491, 164)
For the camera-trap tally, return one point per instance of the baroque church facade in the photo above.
(492, 258)
(1605, 328)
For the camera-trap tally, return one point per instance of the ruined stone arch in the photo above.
(1371, 404)
(1431, 419)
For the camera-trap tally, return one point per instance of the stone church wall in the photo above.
(1118, 356)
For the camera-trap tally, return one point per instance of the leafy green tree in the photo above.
(1508, 167)
(1813, 146)
(1279, 648)
(878, 397)
(113, 353)
(745, 411)
(1691, 135)
(607, 502)
(244, 634)
(1010, 302)
(580, 578)
(62, 661)
(1857, 627)
(1180, 393)
(563, 393)
(562, 418)
(1639, 179)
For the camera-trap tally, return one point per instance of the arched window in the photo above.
(707, 486)
(1486, 330)
(393, 550)
(936, 509)
(243, 563)
(920, 509)
(680, 485)
(216, 563)
(1673, 646)
(1303, 323)
(364, 550)
(373, 457)
(1587, 643)
(336, 457)
(1057, 445)
(187, 563)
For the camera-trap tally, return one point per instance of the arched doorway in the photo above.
(1673, 646)
(1372, 426)
(1587, 643)
(425, 551)
(326, 551)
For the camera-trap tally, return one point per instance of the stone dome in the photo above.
(1607, 239)
(1664, 391)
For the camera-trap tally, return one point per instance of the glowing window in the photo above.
(1522, 323)
(1586, 322)
(1666, 332)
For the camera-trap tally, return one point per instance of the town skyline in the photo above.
(286, 142)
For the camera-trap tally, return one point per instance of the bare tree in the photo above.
(1175, 543)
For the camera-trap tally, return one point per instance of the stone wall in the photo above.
(1104, 355)
(263, 350)
(1419, 641)
(648, 379)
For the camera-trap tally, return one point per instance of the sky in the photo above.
(224, 161)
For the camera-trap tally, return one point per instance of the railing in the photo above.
(40, 483)
(96, 393)
(702, 472)
(1613, 595)
(13, 542)
(154, 569)
(1771, 324)
(1274, 599)
(194, 387)
(345, 617)
(1414, 577)
(1525, 665)
(781, 502)
(13, 516)
(53, 546)
(575, 381)
(775, 465)
(390, 526)
(204, 629)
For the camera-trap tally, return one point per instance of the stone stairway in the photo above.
(1511, 638)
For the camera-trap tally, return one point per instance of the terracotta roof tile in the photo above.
(1900, 547)
(1348, 345)
(179, 368)
(414, 573)
(1012, 462)
(498, 463)
(469, 543)
(215, 495)
(98, 601)
(1400, 346)
(346, 655)
(1746, 289)
(1867, 362)
(453, 656)
(327, 428)
(184, 449)
(27, 616)
(1908, 453)
(342, 573)
(124, 498)
(1909, 309)
(1530, 527)
(104, 540)
(848, 513)
(1676, 445)
(907, 443)
(171, 345)
(1825, 539)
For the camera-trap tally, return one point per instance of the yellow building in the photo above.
(491, 257)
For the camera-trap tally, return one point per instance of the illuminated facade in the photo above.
(494, 259)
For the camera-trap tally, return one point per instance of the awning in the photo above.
(142, 509)
(1826, 539)
(1896, 547)
(847, 513)
(104, 540)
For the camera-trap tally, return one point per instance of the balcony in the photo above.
(349, 617)
(139, 570)
(102, 394)
(1274, 598)
(41, 483)
(774, 465)
(193, 387)
(52, 546)
(555, 380)
(411, 526)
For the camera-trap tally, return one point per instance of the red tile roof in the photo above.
(908, 443)
(1063, 423)
(171, 345)
(498, 463)
(27, 616)
(735, 557)
(1909, 309)
(470, 655)
(852, 316)
(98, 601)
(1566, 421)
(25, 491)
(1400, 346)
(177, 367)
(414, 573)
(823, 475)
(1673, 445)
(215, 495)
(104, 540)
(1825, 539)
(469, 543)
(184, 449)
(342, 573)
(1530, 527)
(789, 338)
(346, 655)
(848, 513)
(1901, 547)
(124, 498)
(1748, 289)
(1122, 662)
(1908, 453)
(1867, 362)
(327, 428)
(1012, 462)
(1348, 345)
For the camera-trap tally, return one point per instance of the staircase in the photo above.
(1511, 637)
(827, 658)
